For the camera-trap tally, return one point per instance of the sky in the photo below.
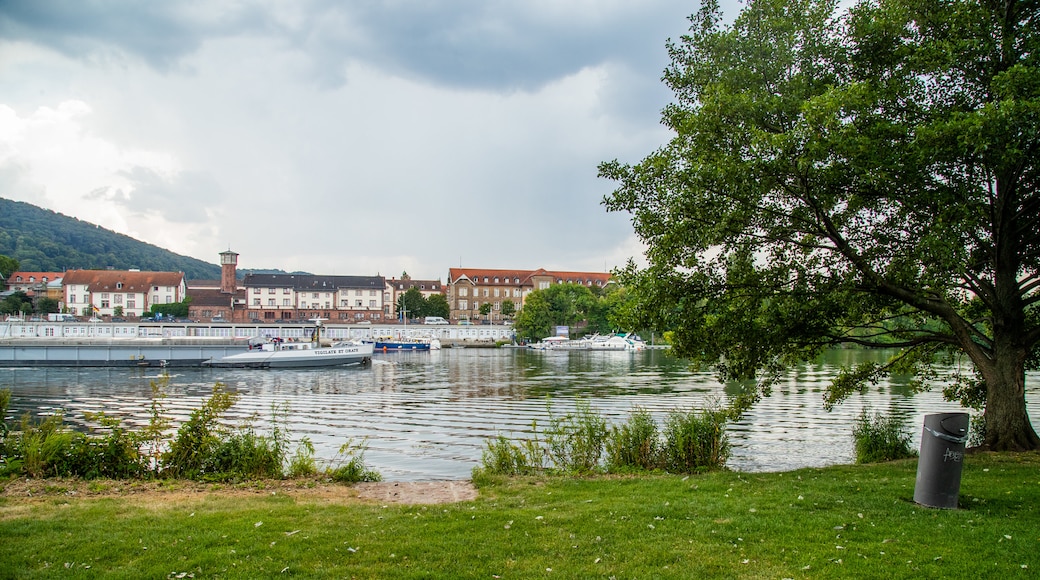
(339, 138)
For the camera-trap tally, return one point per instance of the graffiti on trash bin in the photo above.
(951, 455)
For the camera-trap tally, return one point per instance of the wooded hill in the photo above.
(45, 241)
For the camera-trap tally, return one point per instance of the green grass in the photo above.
(838, 522)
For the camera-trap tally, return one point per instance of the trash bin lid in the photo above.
(955, 424)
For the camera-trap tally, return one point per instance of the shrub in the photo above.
(880, 438)
(243, 454)
(350, 465)
(198, 439)
(575, 441)
(634, 445)
(302, 463)
(503, 457)
(43, 447)
(695, 441)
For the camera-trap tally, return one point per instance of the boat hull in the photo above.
(338, 355)
(393, 345)
(113, 353)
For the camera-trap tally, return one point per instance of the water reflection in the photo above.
(427, 415)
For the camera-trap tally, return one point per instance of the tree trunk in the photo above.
(1007, 421)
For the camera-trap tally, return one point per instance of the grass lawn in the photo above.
(837, 522)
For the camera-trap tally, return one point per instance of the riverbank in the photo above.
(834, 522)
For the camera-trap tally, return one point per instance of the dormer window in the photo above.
(119, 285)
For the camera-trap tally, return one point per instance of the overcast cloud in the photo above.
(349, 138)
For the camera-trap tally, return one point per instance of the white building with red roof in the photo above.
(131, 292)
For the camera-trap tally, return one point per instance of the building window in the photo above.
(485, 292)
(463, 291)
(256, 302)
(285, 302)
(357, 303)
(255, 290)
(104, 295)
(270, 302)
(496, 292)
(72, 299)
(357, 292)
(131, 304)
(104, 304)
(270, 290)
(119, 285)
(463, 304)
(169, 299)
(117, 299)
(314, 295)
(371, 303)
(372, 293)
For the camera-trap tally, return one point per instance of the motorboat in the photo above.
(266, 352)
(615, 342)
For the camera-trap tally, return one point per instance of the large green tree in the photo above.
(411, 304)
(864, 176)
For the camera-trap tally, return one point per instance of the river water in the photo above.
(428, 415)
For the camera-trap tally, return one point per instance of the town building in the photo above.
(37, 284)
(288, 297)
(469, 288)
(120, 292)
(396, 287)
(222, 299)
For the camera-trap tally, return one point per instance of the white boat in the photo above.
(620, 342)
(265, 352)
(559, 343)
(615, 342)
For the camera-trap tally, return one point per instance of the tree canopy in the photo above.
(850, 177)
(576, 306)
(418, 306)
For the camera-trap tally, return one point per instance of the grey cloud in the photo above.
(495, 45)
(161, 33)
(183, 199)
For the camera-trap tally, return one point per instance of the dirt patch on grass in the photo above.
(164, 492)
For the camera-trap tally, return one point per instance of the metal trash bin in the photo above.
(942, 459)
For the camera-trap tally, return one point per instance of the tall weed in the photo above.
(635, 444)
(199, 438)
(349, 465)
(880, 438)
(696, 441)
(575, 440)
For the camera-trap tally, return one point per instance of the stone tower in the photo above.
(228, 265)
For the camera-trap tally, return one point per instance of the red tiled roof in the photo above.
(134, 282)
(38, 276)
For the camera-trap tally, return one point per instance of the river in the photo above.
(427, 415)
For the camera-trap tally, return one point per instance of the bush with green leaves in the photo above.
(203, 447)
(695, 441)
(880, 438)
(634, 445)
(575, 440)
(194, 447)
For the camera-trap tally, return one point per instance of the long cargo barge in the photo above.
(124, 352)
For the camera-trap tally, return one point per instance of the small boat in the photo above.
(387, 344)
(273, 353)
(559, 343)
(615, 342)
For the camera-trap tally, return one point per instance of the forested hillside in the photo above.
(44, 241)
